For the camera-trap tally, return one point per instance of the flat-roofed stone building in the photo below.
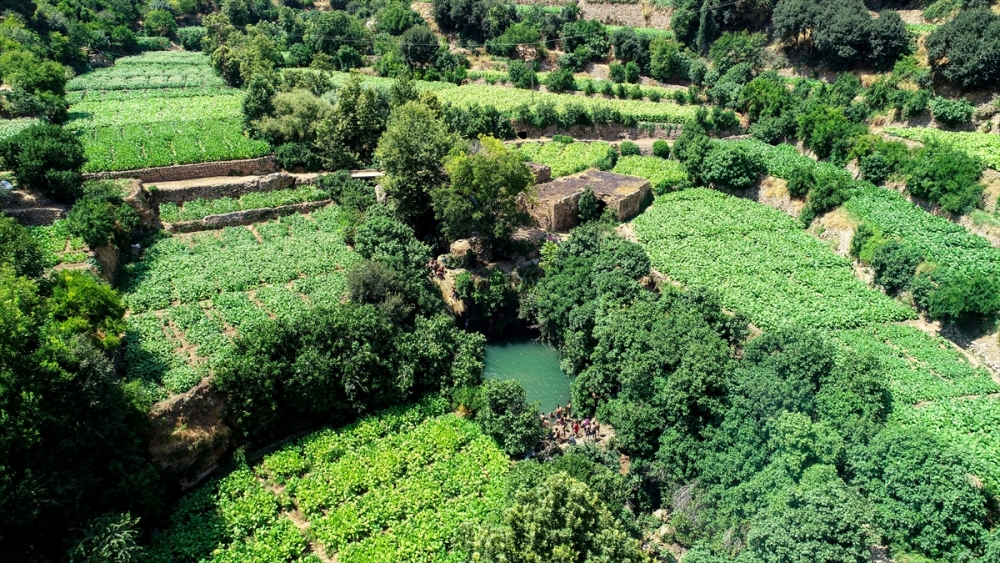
(554, 206)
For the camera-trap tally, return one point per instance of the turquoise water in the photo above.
(534, 365)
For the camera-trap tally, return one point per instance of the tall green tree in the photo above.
(482, 197)
(411, 152)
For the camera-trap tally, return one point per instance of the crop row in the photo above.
(11, 127)
(396, 487)
(663, 175)
(967, 423)
(104, 112)
(507, 99)
(338, 79)
(201, 208)
(782, 159)
(132, 146)
(939, 239)
(983, 146)
(918, 367)
(760, 261)
(568, 158)
(59, 245)
(211, 282)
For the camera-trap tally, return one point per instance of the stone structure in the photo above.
(554, 206)
(248, 167)
(216, 187)
(541, 172)
(245, 217)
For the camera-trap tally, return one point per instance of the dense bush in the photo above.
(801, 181)
(508, 418)
(102, 217)
(946, 176)
(628, 148)
(190, 37)
(521, 75)
(293, 155)
(962, 49)
(18, 249)
(560, 81)
(46, 158)
(661, 148)
(955, 297)
(895, 265)
(732, 166)
(951, 112)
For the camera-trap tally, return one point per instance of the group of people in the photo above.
(564, 428)
(436, 268)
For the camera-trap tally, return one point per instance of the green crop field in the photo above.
(11, 127)
(406, 485)
(984, 146)
(201, 208)
(161, 125)
(190, 293)
(780, 160)
(937, 238)
(568, 158)
(663, 175)
(59, 245)
(506, 99)
(760, 261)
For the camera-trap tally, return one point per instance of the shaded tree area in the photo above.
(777, 448)
(70, 439)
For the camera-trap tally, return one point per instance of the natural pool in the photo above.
(534, 365)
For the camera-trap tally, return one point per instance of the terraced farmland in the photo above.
(190, 293)
(760, 261)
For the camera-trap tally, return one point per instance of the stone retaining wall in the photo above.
(244, 217)
(249, 167)
(234, 189)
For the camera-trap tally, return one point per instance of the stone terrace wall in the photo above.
(193, 189)
(249, 167)
(245, 217)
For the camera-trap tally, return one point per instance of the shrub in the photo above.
(46, 158)
(102, 217)
(661, 148)
(946, 176)
(801, 181)
(875, 168)
(589, 206)
(951, 112)
(521, 75)
(654, 96)
(628, 148)
(617, 72)
(19, 249)
(418, 46)
(564, 139)
(865, 241)
(294, 155)
(160, 23)
(508, 418)
(347, 191)
(631, 72)
(732, 166)
(895, 264)
(560, 81)
(831, 190)
(190, 37)
(965, 49)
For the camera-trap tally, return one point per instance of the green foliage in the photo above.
(489, 300)
(959, 49)
(946, 176)
(110, 538)
(801, 181)
(507, 418)
(661, 149)
(190, 37)
(559, 520)
(894, 264)
(46, 158)
(731, 166)
(666, 61)
(395, 18)
(482, 196)
(411, 151)
(920, 493)
(522, 75)
(560, 81)
(830, 191)
(731, 49)
(663, 175)
(19, 250)
(80, 304)
(765, 265)
(201, 208)
(348, 137)
(952, 296)
(418, 45)
(628, 148)
(570, 158)
(395, 486)
(827, 132)
(160, 22)
(101, 216)
(589, 206)
(951, 112)
(984, 147)
(820, 519)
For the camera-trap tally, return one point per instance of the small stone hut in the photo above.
(554, 207)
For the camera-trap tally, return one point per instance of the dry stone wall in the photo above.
(245, 217)
(248, 167)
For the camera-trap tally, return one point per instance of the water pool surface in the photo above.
(534, 365)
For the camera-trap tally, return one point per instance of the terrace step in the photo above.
(38, 216)
(234, 186)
